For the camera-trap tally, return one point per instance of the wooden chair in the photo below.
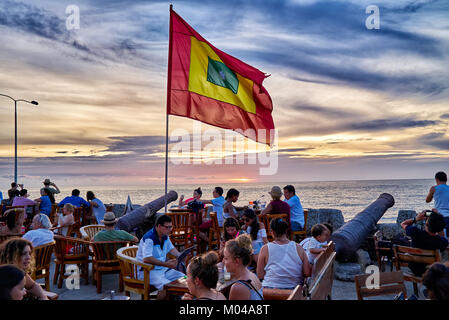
(319, 285)
(182, 233)
(404, 255)
(42, 256)
(214, 232)
(79, 255)
(297, 294)
(77, 215)
(384, 251)
(266, 219)
(88, 217)
(88, 232)
(54, 212)
(303, 233)
(389, 283)
(4, 237)
(129, 267)
(105, 260)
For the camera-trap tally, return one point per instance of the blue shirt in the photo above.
(441, 197)
(296, 211)
(218, 208)
(74, 200)
(151, 246)
(45, 206)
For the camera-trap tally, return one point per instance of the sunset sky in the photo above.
(348, 102)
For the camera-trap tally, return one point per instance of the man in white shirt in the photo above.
(40, 233)
(296, 211)
(153, 249)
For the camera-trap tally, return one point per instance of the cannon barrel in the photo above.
(139, 216)
(352, 234)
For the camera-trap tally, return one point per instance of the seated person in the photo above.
(317, 243)
(65, 219)
(229, 211)
(428, 239)
(75, 200)
(197, 193)
(98, 207)
(218, 201)
(277, 206)
(153, 249)
(436, 280)
(236, 258)
(40, 233)
(19, 252)
(14, 219)
(297, 220)
(282, 264)
(22, 199)
(110, 234)
(256, 230)
(12, 283)
(202, 278)
(45, 201)
(231, 229)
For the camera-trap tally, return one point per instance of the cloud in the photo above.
(388, 124)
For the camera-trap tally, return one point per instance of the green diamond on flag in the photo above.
(218, 73)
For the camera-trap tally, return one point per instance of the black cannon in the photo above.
(143, 217)
(352, 234)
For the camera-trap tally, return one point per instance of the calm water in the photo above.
(350, 197)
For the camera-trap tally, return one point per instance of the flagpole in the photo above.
(170, 45)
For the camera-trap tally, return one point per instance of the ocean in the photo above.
(350, 197)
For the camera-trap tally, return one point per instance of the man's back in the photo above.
(441, 198)
(74, 200)
(39, 237)
(113, 235)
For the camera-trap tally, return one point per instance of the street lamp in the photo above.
(15, 129)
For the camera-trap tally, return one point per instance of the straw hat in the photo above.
(46, 181)
(109, 218)
(276, 191)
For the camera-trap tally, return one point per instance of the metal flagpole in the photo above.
(170, 44)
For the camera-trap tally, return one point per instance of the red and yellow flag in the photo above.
(211, 86)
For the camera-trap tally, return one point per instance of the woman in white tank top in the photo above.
(282, 264)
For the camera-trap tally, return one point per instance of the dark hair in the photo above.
(199, 191)
(162, 219)
(229, 222)
(441, 176)
(11, 219)
(10, 276)
(318, 229)
(90, 195)
(290, 188)
(23, 192)
(435, 222)
(219, 190)
(13, 184)
(50, 195)
(241, 247)
(12, 249)
(75, 192)
(249, 213)
(436, 280)
(205, 268)
(329, 226)
(232, 192)
(279, 226)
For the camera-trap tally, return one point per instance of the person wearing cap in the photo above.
(47, 183)
(110, 234)
(277, 206)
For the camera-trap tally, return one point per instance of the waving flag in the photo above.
(211, 86)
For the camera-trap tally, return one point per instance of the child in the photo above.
(317, 243)
(65, 219)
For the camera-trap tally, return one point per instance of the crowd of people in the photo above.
(244, 253)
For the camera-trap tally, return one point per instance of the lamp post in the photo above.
(15, 129)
